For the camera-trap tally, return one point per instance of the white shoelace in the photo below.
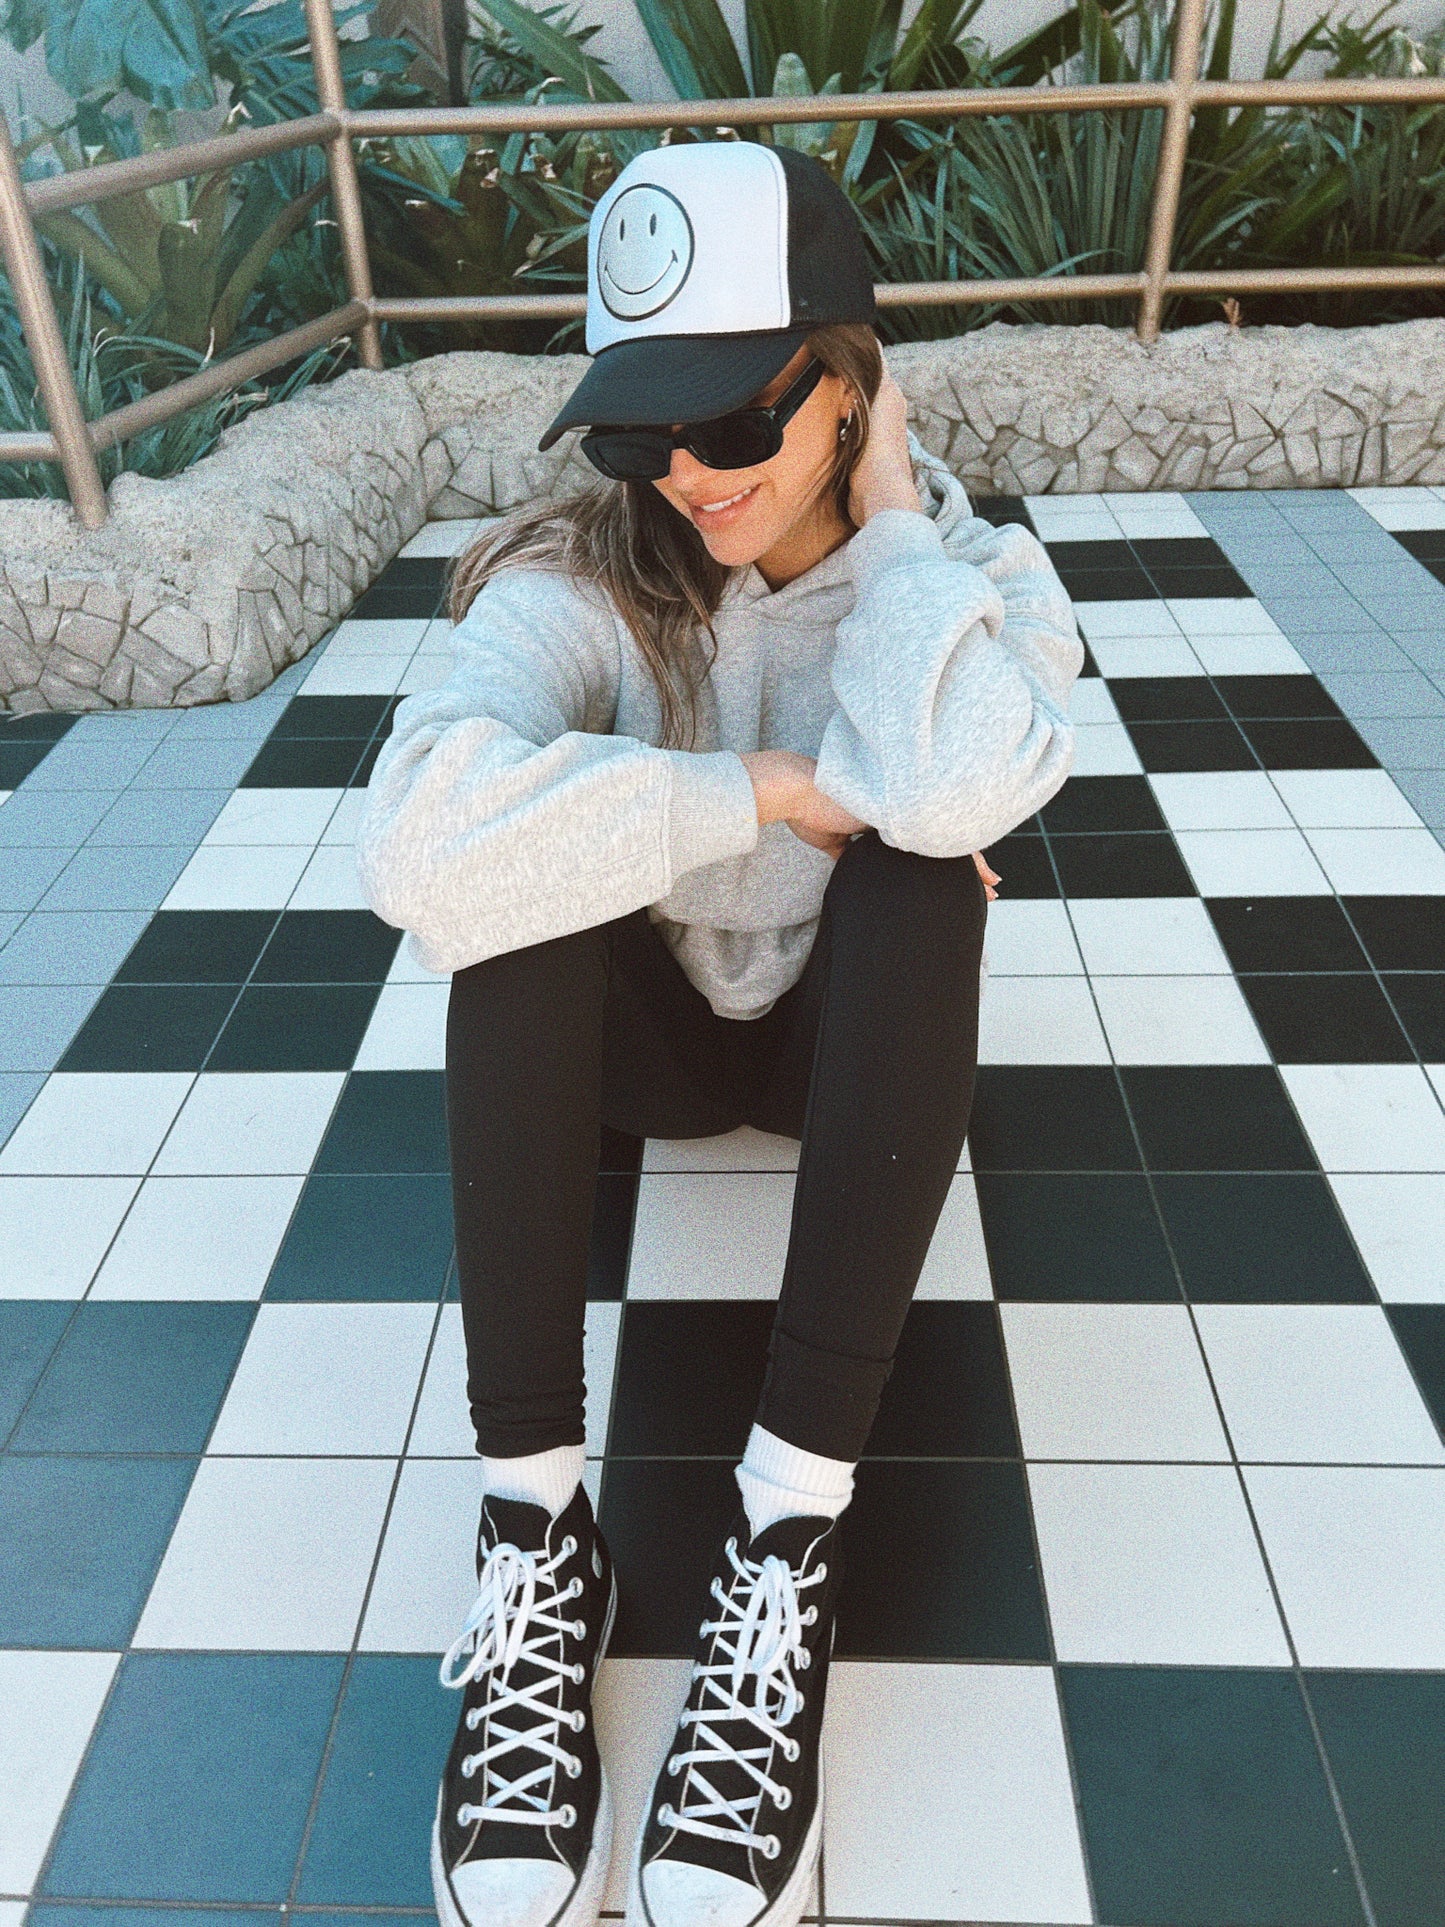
(760, 1634)
(517, 1615)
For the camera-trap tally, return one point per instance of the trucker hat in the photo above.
(708, 265)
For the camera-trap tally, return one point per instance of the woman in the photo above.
(692, 823)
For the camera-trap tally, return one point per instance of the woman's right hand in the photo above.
(783, 784)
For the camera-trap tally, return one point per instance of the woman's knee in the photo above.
(944, 895)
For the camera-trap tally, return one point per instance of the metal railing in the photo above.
(74, 442)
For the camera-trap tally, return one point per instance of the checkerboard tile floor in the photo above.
(1146, 1614)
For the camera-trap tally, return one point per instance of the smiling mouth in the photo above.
(728, 501)
(622, 287)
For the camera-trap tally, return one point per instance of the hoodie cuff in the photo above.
(893, 539)
(712, 808)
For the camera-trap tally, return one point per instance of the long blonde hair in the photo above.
(626, 538)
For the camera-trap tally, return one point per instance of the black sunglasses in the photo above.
(739, 440)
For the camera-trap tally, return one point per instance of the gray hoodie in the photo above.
(926, 664)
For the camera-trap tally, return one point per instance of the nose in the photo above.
(686, 469)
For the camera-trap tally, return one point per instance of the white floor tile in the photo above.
(330, 881)
(51, 1701)
(1358, 1554)
(356, 675)
(967, 1759)
(369, 636)
(1031, 937)
(331, 1379)
(426, 670)
(426, 1578)
(199, 1238)
(1236, 799)
(1178, 1020)
(408, 1029)
(1102, 1381)
(1166, 654)
(1402, 508)
(1156, 524)
(1252, 863)
(1153, 1565)
(1222, 616)
(406, 970)
(1381, 862)
(1325, 1384)
(1111, 621)
(56, 1231)
(1248, 656)
(1040, 1020)
(637, 1703)
(101, 1123)
(443, 1427)
(243, 877)
(957, 1262)
(1090, 701)
(742, 1150)
(287, 816)
(342, 827)
(1146, 936)
(710, 1236)
(1344, 799)
(1105, 749)
(442, 537)
(1369, 1117)
(1397, 1219)
(269, 1555)
(261, 1123)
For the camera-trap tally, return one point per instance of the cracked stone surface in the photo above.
(204, 587)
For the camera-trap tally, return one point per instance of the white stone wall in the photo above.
(202, 588)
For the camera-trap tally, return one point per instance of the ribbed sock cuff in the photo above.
(539, 1478)
(782, 1481)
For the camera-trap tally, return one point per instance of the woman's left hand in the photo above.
(883, 478)
(990, 877)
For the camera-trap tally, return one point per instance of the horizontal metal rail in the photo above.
(17, 446)
(103, 182)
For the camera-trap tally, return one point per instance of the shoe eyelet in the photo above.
(667, 1815)
(674, 1767)
(573, 1767)
(578, 1673)
(579, 1628)
(791, 1757)
(804, 1659)
(731, 1546)
(579, 1720)
(782, 1798)
(567, 1818)
(574, 1591)
(569, 1546)
(474, 1718)
(820, 1574)
(810, 1617)
(772, 1847)
(468, 1766)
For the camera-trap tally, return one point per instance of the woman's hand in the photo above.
(883, 478)
(783, 785)
(990, 877)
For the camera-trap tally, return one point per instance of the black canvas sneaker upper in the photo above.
(523, 1780)
(738, 1794)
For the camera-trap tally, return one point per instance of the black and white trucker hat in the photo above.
(708, 265)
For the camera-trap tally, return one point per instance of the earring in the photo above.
(844, 426)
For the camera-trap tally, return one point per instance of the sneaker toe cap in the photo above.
(510, 1893)
(679, 1894)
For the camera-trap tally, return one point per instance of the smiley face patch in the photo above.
(644, 252)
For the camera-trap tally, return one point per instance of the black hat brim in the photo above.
(674, 378)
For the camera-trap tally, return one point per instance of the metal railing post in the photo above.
(26, 269)
(345, 187)
(1173, 149)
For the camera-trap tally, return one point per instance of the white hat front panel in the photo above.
(690, 241)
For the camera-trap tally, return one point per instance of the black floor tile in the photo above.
(1420, 1000)
(1108, 585)
(1271, 1239)
(1426, 545)
(1022, 860)
(1311, 743)
(388, 1121)
(354, 717)
(1168, 748)
(328, 947)
(1167, 699)
(198, 947)
(1092, 555)
(1276, 696)
(295, 1027)
(614, 1210)
(367, 1238)
(136, 1377)
(1001, 509)
(1122, 865)
(1401, 933)
(1067, 1237)
(1066, 1117)
(1091, 667)
(664, 1521)
(17, 760)
(361, 775)
(688, 1377)
(1203, 1800)
(151, 1027)
(1094, 803)
(1421, 1332)
(948, 1396)
(409, 586)
(305, 763)
(1326, 1019)
(1285, 933)
(1182, 584)
(1216, 1117)
(1179, 552)
(939, 1564)
(1384, 1737)
(45, 726)
(30, 1329)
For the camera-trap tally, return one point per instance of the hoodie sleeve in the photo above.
(952, 675)
(502, 811)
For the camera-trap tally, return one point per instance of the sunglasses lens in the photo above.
(735, 441)
(628, 454)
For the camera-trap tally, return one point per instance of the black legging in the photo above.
(869, 1059)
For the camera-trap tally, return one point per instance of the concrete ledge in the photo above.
(203, 588)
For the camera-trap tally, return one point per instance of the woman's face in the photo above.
(744, 514)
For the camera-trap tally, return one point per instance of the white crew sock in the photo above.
(541, 1478)
(782, 1481)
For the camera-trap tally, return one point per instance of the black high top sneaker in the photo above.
(523, 1831)
(736, 1816)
